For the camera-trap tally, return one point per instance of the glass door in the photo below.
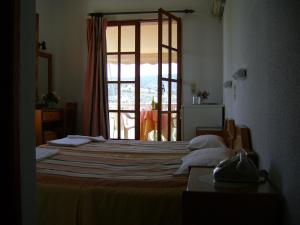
(123, 79)
(144, 78)
(148, 80)
(169, 76)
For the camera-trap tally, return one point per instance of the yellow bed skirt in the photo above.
(67, 205)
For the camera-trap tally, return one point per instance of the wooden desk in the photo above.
(242, 204)
(54, 123)
(49, 125)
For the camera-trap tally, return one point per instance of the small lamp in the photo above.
(43, 45)
(241, 74)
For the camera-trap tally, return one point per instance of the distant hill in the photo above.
(148, 80)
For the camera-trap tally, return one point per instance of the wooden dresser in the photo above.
(55, 123)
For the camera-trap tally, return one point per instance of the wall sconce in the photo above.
(227, 84)
(42, 45)
(241, 74)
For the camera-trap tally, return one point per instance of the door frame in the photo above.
(10, 78)
(137, 24)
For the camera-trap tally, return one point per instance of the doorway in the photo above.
(144, 78)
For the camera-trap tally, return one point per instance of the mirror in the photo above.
(43, 74)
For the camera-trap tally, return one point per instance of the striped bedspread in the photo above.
(115, 162)
(112, 183)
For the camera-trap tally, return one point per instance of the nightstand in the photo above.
(205, 203)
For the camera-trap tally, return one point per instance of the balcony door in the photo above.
(169, 75)
(123, 79)
(144, 79)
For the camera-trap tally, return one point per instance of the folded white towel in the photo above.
(42, 153)
(69, 141)
(94, 139)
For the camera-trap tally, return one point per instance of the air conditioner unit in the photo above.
(218, 8)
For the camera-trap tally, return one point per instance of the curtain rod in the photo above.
(99, 14)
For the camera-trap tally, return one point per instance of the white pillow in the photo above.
(203, 157)
(206, 141)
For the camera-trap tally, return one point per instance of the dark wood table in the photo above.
(206, 202)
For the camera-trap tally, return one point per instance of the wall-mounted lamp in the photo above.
(227, 84)
(241, 74)
(42, 45)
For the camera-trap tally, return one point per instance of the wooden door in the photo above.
(169, 76)
(123, 79)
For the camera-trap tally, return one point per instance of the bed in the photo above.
(118, 182)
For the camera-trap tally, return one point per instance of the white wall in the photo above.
(264, 36)
(62, 25)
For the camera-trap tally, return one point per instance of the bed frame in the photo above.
(235, 136)
(238, 137)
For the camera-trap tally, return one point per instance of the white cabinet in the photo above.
(208, 116)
